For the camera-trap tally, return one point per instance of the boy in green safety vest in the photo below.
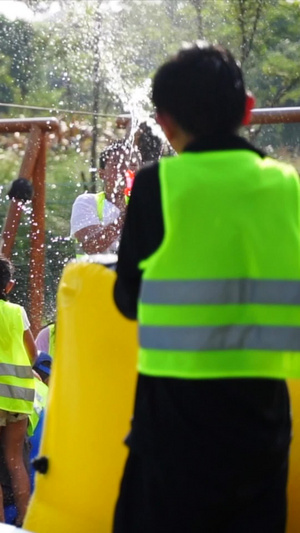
(209, 264)
(17, 354)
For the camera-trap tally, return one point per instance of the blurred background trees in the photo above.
(96, 58)
(56, 57)
(90, 60)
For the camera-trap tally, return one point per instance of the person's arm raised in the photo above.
(96, 239)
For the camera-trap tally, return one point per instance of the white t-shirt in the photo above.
(84, 214)
(42, 340)
(26, 322)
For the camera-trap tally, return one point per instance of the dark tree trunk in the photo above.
(198, 5)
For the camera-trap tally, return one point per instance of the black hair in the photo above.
(108, 152)
(21, 189)
(6, 274)
(203, 89)
(149, 145)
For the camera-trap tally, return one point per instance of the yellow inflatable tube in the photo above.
(90, 406)
(294, 468)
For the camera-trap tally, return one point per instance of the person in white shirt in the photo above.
(96, 223)
(97, 220)
(95, 235)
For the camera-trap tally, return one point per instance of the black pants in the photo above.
(166, 499)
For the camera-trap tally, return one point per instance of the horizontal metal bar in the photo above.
(24, 125)
(275, 115)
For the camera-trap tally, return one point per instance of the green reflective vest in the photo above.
(40, 400)
(16, 377)
(100, 200)
(52, 328)
(221, 295)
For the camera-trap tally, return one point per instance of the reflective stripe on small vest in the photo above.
(20, 371)
(17, 393)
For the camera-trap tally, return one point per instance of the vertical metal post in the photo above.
(13, 217)
(37, 237)
(10, 227)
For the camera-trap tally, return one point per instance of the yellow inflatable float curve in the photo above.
(294, 467)
(90, 406)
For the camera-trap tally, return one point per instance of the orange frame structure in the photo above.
(33, 168)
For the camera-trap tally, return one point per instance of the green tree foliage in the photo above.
(56, 63)
(16, 43)
(278, 76)
(249, 17)
(198, 5)
(8, 90)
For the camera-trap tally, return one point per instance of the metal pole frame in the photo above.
(37, 240)
(33, 167)
(275, 115)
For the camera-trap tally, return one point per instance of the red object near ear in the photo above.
(250, 103)
(129, 175)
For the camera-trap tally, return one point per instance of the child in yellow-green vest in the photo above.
(209, 264)
(17, 354)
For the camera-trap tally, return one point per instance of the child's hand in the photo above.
(36, 375)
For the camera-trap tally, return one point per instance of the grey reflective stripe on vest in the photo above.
(221, 291)
(208, 338)
(17, 393)
(19, 371)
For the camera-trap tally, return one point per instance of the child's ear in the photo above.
(250, 103)
(167, 124)
(9, 286)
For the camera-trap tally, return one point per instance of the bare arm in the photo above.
(30, 346)
(96, 239)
